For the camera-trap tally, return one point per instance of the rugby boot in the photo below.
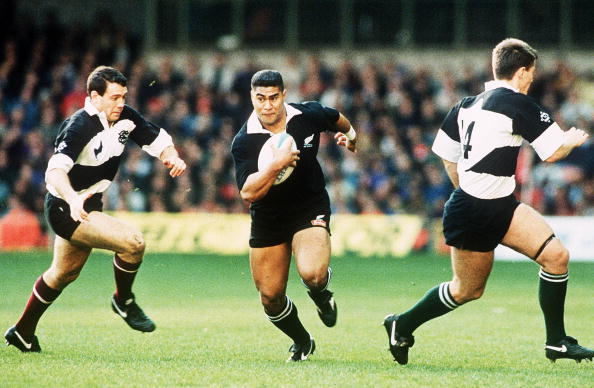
(132, 314)
(399, 344)
(326, 306)
(13, 338)
(302, 351)
(568, 347)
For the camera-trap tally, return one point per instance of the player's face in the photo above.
(268, 102)
(527, 79)
(112, 101)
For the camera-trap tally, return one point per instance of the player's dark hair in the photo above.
(268, 78)
(99, 77)
(510, 55)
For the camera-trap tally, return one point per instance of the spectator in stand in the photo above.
(396, 107)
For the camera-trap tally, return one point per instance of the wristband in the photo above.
(351, 134)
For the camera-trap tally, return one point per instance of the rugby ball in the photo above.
(266, 155)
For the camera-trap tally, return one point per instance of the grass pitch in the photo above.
(211, 330)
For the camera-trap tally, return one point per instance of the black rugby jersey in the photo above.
(89, 150)
(483, 135)
(304, 122)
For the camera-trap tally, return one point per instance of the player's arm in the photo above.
(332, 120)
(72, 138)
(154, 140)
(452, 171)
(258, 184)
(58, 179)
(170, 158)
(572, 138)
(446, 144)
(535, 124)
(346, 135)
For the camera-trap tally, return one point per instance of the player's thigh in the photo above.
(106, 232)
(311, 247)
(67, 262)
(69, 254)
(471, 270)
(270, 268)
(527, 232)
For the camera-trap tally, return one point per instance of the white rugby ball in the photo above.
(266, 155)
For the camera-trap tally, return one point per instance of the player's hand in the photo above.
(576, 136)
(285, 156)
(343, 141)
(77, 211)
(176, 165)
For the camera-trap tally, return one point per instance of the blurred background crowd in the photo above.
(397, 109)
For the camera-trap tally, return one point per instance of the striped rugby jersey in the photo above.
(483, 135)
(90, 150)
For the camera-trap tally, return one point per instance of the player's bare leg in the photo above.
(470, 269)
(311, 247)
(106, 232)
(531, 235)
(270, 271)
(68, 260)
(528, 232)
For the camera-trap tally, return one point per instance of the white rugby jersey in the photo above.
(483, 135)
(89, 150)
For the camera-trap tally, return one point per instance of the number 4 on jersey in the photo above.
(466, 146)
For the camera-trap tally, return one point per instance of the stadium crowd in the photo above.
(203, 104)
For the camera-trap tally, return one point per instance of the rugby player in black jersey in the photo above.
(479, 142)
(293, 217)
(87, 154)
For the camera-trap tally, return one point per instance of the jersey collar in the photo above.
(92, 110)
(254, 125)
(499, 84)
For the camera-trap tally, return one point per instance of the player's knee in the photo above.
(135, 244)
(272, 301)
(556, 260)
(315, 279)
(563, 257)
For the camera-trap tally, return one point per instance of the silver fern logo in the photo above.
(307, 141)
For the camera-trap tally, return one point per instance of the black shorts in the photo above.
(57, 214)
(477, 224)
(269, 229)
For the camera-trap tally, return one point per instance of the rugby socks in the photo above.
(551, 295)
(41, 298)
(124, 273)
(288, 322)
(436, 302)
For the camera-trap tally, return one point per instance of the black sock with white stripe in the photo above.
(41, 298)
(436, 302)
(551, 294)
(288, 322)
